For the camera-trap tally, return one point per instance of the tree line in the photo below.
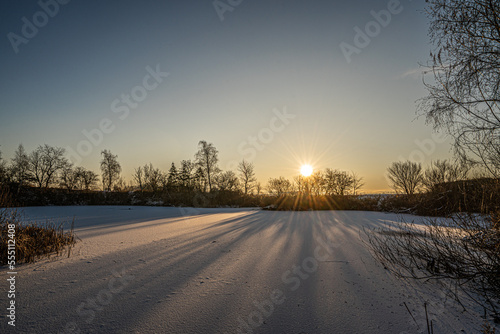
(329, 182)
(407, 177)
(47, 167)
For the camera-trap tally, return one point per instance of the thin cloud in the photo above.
(415, 73)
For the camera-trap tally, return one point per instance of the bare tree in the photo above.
(227, 181)
(464, 97)
(153, 178)
(300, 183)
(443, 171)
(44, 164)
(138, 177)
(336, 182)
(120, 185)
(87, 179)
(344, 182)
(207, 158)
(78, 178)
(69, 178)
(247, 176)
(329, 181)
(258, 188)
(314, 183)
(357, 183)
(405, 176)
(279, 186)
(110, 169)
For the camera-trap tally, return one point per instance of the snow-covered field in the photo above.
(171, 270)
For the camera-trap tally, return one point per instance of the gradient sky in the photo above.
(227, 78)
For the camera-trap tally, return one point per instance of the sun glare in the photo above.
(306, 170)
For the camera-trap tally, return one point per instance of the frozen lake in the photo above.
(171, 270)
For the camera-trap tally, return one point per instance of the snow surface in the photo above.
(172, 270)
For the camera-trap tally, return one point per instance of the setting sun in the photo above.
(306, 170)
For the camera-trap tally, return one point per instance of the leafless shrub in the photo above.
(461, 253)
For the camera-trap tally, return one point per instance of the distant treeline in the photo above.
(46, 177)
(478, 196)
(47, 168)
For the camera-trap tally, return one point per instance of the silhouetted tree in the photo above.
(120, 185)
(443, 171)
(330, 181)
(299, 184)
(20, 166)
(315, 183)
(200, 181)
(173, 178)
(44, 164)
(405, 176)
(153, 178)
(336, 182)
(279, 186)
(110, 169)
(87, 179)
(247, 176)
(357, 183)
(77, 178)
(464, 97)
(207, 159)
(227, 181)
(344, 182)
(69, 178)
(258, 188)
(138, 177)
(186, 174)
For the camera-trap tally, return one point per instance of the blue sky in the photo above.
(226, 81)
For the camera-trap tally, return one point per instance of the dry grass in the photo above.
(32, 241)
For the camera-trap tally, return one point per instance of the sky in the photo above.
(279, 83)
